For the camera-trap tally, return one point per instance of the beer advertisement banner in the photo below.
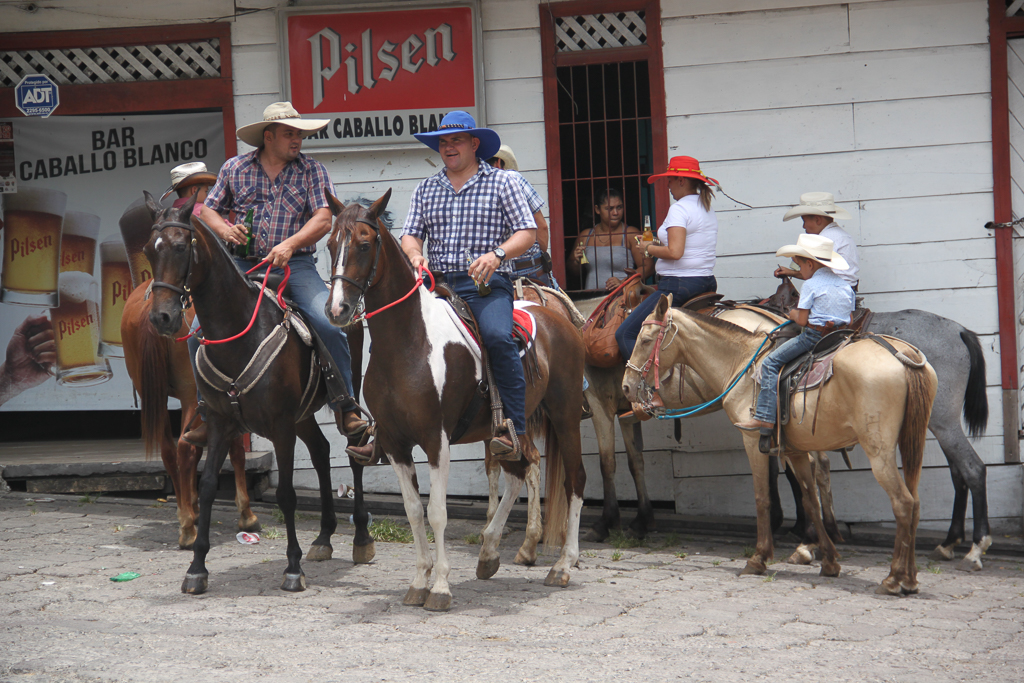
(382, 76)
(65, 263)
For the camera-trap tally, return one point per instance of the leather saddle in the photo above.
(810, 370)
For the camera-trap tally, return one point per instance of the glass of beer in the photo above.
(115, 286)
(136, 227)
(78, 242)
(32, 222)
(76, 331)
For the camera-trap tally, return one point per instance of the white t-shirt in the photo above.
(845, 247)
(698, 258)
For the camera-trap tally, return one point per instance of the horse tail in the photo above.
(156, 427)
(921, 385)
(975, 398)
(557, 518)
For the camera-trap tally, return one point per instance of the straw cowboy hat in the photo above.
(187, 175)
(683, 167)
(817, 204)
(816, 248)
(507, 156)
(461, 122)
(280, 112)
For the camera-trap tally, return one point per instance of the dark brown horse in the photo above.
(188, 258)
(159, 367)
(422, 376)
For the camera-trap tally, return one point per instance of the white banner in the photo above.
(62, 252)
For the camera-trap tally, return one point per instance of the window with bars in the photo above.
(117, 64)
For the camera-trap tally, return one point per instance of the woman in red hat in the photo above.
(685, 247)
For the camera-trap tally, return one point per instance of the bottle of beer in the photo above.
(482, 288)
(648, 235)
(242, 250)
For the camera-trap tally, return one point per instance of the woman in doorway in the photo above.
(685, 247)
(609, 251)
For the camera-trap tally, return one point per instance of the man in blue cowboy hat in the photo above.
(476, 219)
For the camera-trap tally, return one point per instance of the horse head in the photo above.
(356, 247)
(170, 251)
(649, 345)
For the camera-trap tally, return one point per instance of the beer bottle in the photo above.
(242, 250)
(482, 288)
(648, 235)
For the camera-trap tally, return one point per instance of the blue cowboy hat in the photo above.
(461, 122)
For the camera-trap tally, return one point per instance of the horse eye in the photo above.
(180, 248)
(364, 247)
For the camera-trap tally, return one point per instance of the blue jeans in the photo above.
(537, 273)
(682, 290)
(494, 318)
(309, 293)
(767, 400)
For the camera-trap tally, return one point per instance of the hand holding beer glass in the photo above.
(32, 230)
(76, 329)
(30, 353)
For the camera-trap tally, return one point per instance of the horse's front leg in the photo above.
(403, 465)
(633, 437)
(765, 548)
(247, 521)
(320, 455)
(489, 560)
(440, 598)
(284, 447)
(363, 548)
(221, 431)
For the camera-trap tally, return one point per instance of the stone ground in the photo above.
(675, 609)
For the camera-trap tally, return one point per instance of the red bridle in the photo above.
(654, 360)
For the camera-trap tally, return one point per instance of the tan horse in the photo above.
(872, 399)
(159, 367)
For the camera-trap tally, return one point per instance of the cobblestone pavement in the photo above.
(673, 610)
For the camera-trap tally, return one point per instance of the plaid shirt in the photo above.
(535, 202)
(479, 217)
(281, 208)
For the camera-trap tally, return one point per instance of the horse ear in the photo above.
(333, 203)
(377, 208)
(152, 204)
(189, 205)
(662, 308)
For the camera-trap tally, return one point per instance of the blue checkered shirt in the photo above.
(535, 202)
(828, 297)
(480, 216)
(282, 207)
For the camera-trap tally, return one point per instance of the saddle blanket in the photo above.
(820, 372)
(521, 319)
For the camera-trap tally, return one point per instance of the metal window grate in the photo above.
(126, 64)
(600, 31)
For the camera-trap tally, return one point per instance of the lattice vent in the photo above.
(1014, 8)
(600, 31)
(128, 64)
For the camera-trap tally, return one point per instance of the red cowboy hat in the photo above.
(683, 167)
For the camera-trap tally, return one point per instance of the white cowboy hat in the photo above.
(816, 248)
(506, 154)
(817, 204)
(187, 175)
(279, 112)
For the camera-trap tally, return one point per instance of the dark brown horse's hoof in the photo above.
(804, 554)
(294, 583)
(364, 554)
(753, 568)
(557, 578)
(320, 553)
(595, 536)
(250, 525)
(525, 559)
(909, 589)
(438, 602)
(415, 597)
(830, 569)
(195, 584)
(485, 569)
(883, 589)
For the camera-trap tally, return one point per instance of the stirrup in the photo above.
(502, 452)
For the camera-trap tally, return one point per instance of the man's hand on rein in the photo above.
(280, 254)
(484, 267)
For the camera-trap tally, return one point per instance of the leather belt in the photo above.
(536, 261)
(827, 327)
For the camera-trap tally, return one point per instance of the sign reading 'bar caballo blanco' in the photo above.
(381, 76)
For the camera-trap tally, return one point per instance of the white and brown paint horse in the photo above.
(421, 378)
(872, 399)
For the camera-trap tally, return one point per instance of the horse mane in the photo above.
(723, 325)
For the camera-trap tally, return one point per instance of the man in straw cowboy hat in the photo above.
(826, 302)
(190, 179)
(819, 213)
(285, 189)
(476, 219)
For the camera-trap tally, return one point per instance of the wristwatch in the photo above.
(500, 253)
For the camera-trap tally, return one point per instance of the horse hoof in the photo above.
(415, 597)
(250, 525)
(294, 583)
(525, 559)
(557, 578)
(363, 554)
(320, 553)
(830, 569)
(802, 555)
(485, 569)
(195, 584)
(969, 565)
(942, 554)
(885, 589)
(909, 590)
(595, 535)
(753, 568)
(186, 541)
(438, 602)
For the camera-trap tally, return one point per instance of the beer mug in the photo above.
(115, 286)
(78, 242)
(76, 332)
(136, 227)
(32, 225)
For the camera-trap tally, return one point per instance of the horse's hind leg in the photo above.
(527, 554)
(493, 470)
(247, 521)
(284, 447)
(604, 430)
(320, 455)
(800, 463)
(823, 478)
(906, 508)
(197, 577)
(363, 548)
(968, 473)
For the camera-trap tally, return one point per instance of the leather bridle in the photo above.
(653, 362)
(185, 292)
(373, 270)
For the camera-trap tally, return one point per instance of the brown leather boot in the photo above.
(504, 447)
(361, 454)
(352, 424)
(197, 435)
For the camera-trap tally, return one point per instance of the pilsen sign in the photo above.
(381, 76)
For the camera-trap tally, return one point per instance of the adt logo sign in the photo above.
(36, 95)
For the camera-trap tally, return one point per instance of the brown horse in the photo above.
(421, 379)
(159, 367)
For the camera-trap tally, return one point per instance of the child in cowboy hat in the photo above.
(826, 302)
(190, 179)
